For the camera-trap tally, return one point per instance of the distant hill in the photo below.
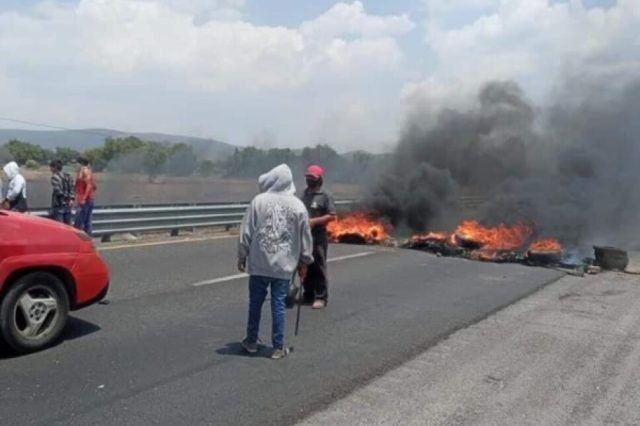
(83, 139)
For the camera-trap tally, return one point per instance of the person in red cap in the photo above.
(322, 210)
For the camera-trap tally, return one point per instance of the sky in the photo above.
(292, 73)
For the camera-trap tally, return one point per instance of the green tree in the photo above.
(24, 151)
(154, 158)
(206, 168)
(181, 161)
(97, 158)
(5, 155)
(322, 154)
(66, 155)
(32, 164)
(117, 147)
(362, 158)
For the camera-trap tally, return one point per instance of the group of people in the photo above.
(65, 193)
(282, 235)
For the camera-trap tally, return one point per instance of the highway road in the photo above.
(166, 350)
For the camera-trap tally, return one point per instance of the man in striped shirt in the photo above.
(62, 193)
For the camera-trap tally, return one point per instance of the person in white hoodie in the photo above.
(275, 241)
(16, 197)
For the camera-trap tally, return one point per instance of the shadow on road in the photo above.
(77, 327)
(235, 348)
(74, 329)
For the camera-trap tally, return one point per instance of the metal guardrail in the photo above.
(110, 220)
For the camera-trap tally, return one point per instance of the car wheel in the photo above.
(34, 312)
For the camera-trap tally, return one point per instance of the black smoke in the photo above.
(570, 167)
(474, 148)
(414, 196)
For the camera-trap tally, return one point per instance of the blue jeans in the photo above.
(84, 217)
(258, 287)
(61, 214)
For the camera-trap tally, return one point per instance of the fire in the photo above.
(358, 225)
(431, 236)
(485, 255)
(501, 243)
(548, 245)
(501, 237)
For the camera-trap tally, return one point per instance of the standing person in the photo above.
(322, 210)
(85, 196)
(61, 194)
(275, 240)
(16, 197)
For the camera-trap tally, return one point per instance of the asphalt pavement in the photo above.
(566, 355)
(167, 352)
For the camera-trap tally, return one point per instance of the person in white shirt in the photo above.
(16, 197)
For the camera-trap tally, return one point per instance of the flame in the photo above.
(485, 255)
(548, 245)
(501, 237)
(501, 243)
(431, 236)
(358, 224)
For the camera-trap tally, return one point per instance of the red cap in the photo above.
(315, 171)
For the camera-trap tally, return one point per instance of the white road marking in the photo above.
(238, 276)
(164, 243)
(220, 280)
(350, 256)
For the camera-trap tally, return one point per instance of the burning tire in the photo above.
(358, 228)
(544, 257)
(500, 244)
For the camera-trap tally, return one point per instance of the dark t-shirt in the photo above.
(318, 203)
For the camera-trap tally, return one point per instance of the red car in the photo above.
(46, 270)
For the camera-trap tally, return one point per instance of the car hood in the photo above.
(34, 220)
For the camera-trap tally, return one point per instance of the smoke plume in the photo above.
(569, 167)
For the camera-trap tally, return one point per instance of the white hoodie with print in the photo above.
(275, 235)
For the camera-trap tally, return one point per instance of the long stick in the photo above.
(299, 305)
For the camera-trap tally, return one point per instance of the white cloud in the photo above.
(135, 37)
(205, 10)
(352, 123)
(351, 19)
(378, 53)
(202, 67)
(535, 42)
(339, 76)
(127, 37)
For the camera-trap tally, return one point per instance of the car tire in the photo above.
(34, 312)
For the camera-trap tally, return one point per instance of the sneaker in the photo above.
(319, 304)
(280, 353)
(252, 348)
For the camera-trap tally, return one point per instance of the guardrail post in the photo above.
(106, 238)
(175, 232)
